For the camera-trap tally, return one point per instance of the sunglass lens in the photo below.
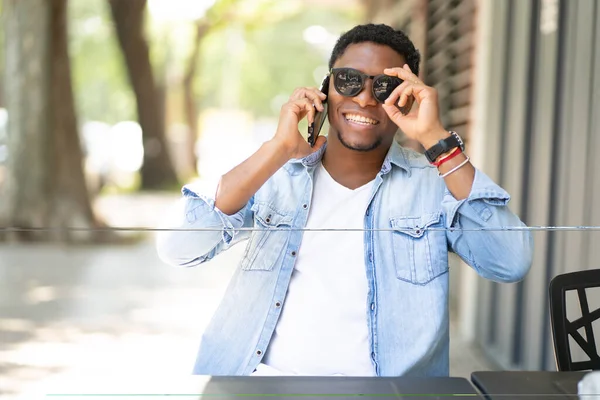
(348, 82)
(384, 85)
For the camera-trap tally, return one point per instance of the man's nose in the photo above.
(365, 97)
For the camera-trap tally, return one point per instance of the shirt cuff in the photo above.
(229, 222)
(484, 193)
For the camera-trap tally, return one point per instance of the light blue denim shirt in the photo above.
(411, 223)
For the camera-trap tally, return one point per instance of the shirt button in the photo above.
(258, 352)
(278, 304)
(293, 253)
(305, 206)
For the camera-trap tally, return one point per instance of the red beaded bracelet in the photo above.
(449, 157)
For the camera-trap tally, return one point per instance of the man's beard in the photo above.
(363, 148)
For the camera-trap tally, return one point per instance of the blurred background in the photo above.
(108, 106)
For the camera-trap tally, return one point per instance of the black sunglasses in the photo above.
(349, 82)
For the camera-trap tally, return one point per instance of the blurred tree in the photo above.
(1, 59)
(100, 82)
(196, 64)
(128, 15)
(217, 16)
(45, 184)
(189, 99)
(275, 58)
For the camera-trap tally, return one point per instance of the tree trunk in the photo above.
(2, 54)
(45, 184)
(71, 195)
(190, 104)
(2, 71)
(128, 15)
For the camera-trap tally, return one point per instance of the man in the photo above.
(346, 270)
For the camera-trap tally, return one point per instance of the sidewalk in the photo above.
(106, 310)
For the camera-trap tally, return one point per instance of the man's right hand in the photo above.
(242, 182)
(299, 106)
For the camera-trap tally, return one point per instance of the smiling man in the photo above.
(346, 270)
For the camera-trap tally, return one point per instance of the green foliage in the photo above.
(252, 58)
(263, 63)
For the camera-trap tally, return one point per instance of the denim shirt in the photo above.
(411, 223)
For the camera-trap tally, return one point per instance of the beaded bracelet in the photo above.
(462, 164)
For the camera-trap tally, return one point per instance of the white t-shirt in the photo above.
(322, 330)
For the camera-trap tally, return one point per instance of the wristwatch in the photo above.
(444, 146)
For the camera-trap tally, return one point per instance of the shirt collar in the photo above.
(395, 155)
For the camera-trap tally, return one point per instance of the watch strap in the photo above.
(443, 146)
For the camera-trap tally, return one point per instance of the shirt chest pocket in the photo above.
(420, 252)
(267, 241)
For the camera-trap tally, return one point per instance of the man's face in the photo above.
(360, 123)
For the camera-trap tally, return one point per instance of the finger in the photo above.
(301, 108)
(317, 98)
(402, 93)
(307, 92)
(407, 108)
(405, 95)
(319, 93)
(414, 109)
(305, 107)
(403, 73)
(296, 94)
(395, 95)
(311, 93)
(393, 112)
(315, 90)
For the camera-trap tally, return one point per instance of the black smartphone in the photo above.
(315, 128)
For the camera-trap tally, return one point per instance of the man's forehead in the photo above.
(370, 57)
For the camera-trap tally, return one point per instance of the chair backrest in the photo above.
(562, 327)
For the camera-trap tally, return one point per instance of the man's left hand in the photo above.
(422, 123)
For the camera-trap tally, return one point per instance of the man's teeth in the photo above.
(361, 119)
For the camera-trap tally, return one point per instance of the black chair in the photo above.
(562, 327)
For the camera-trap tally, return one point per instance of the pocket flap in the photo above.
(268, 216)
(415, 226)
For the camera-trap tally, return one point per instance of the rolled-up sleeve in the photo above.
(195, 230)
(486, 234)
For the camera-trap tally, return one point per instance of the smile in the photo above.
(360, 120)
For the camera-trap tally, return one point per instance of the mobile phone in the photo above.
(320, 116)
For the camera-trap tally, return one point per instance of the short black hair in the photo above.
(380, 34)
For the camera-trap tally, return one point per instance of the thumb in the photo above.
(393, 112)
